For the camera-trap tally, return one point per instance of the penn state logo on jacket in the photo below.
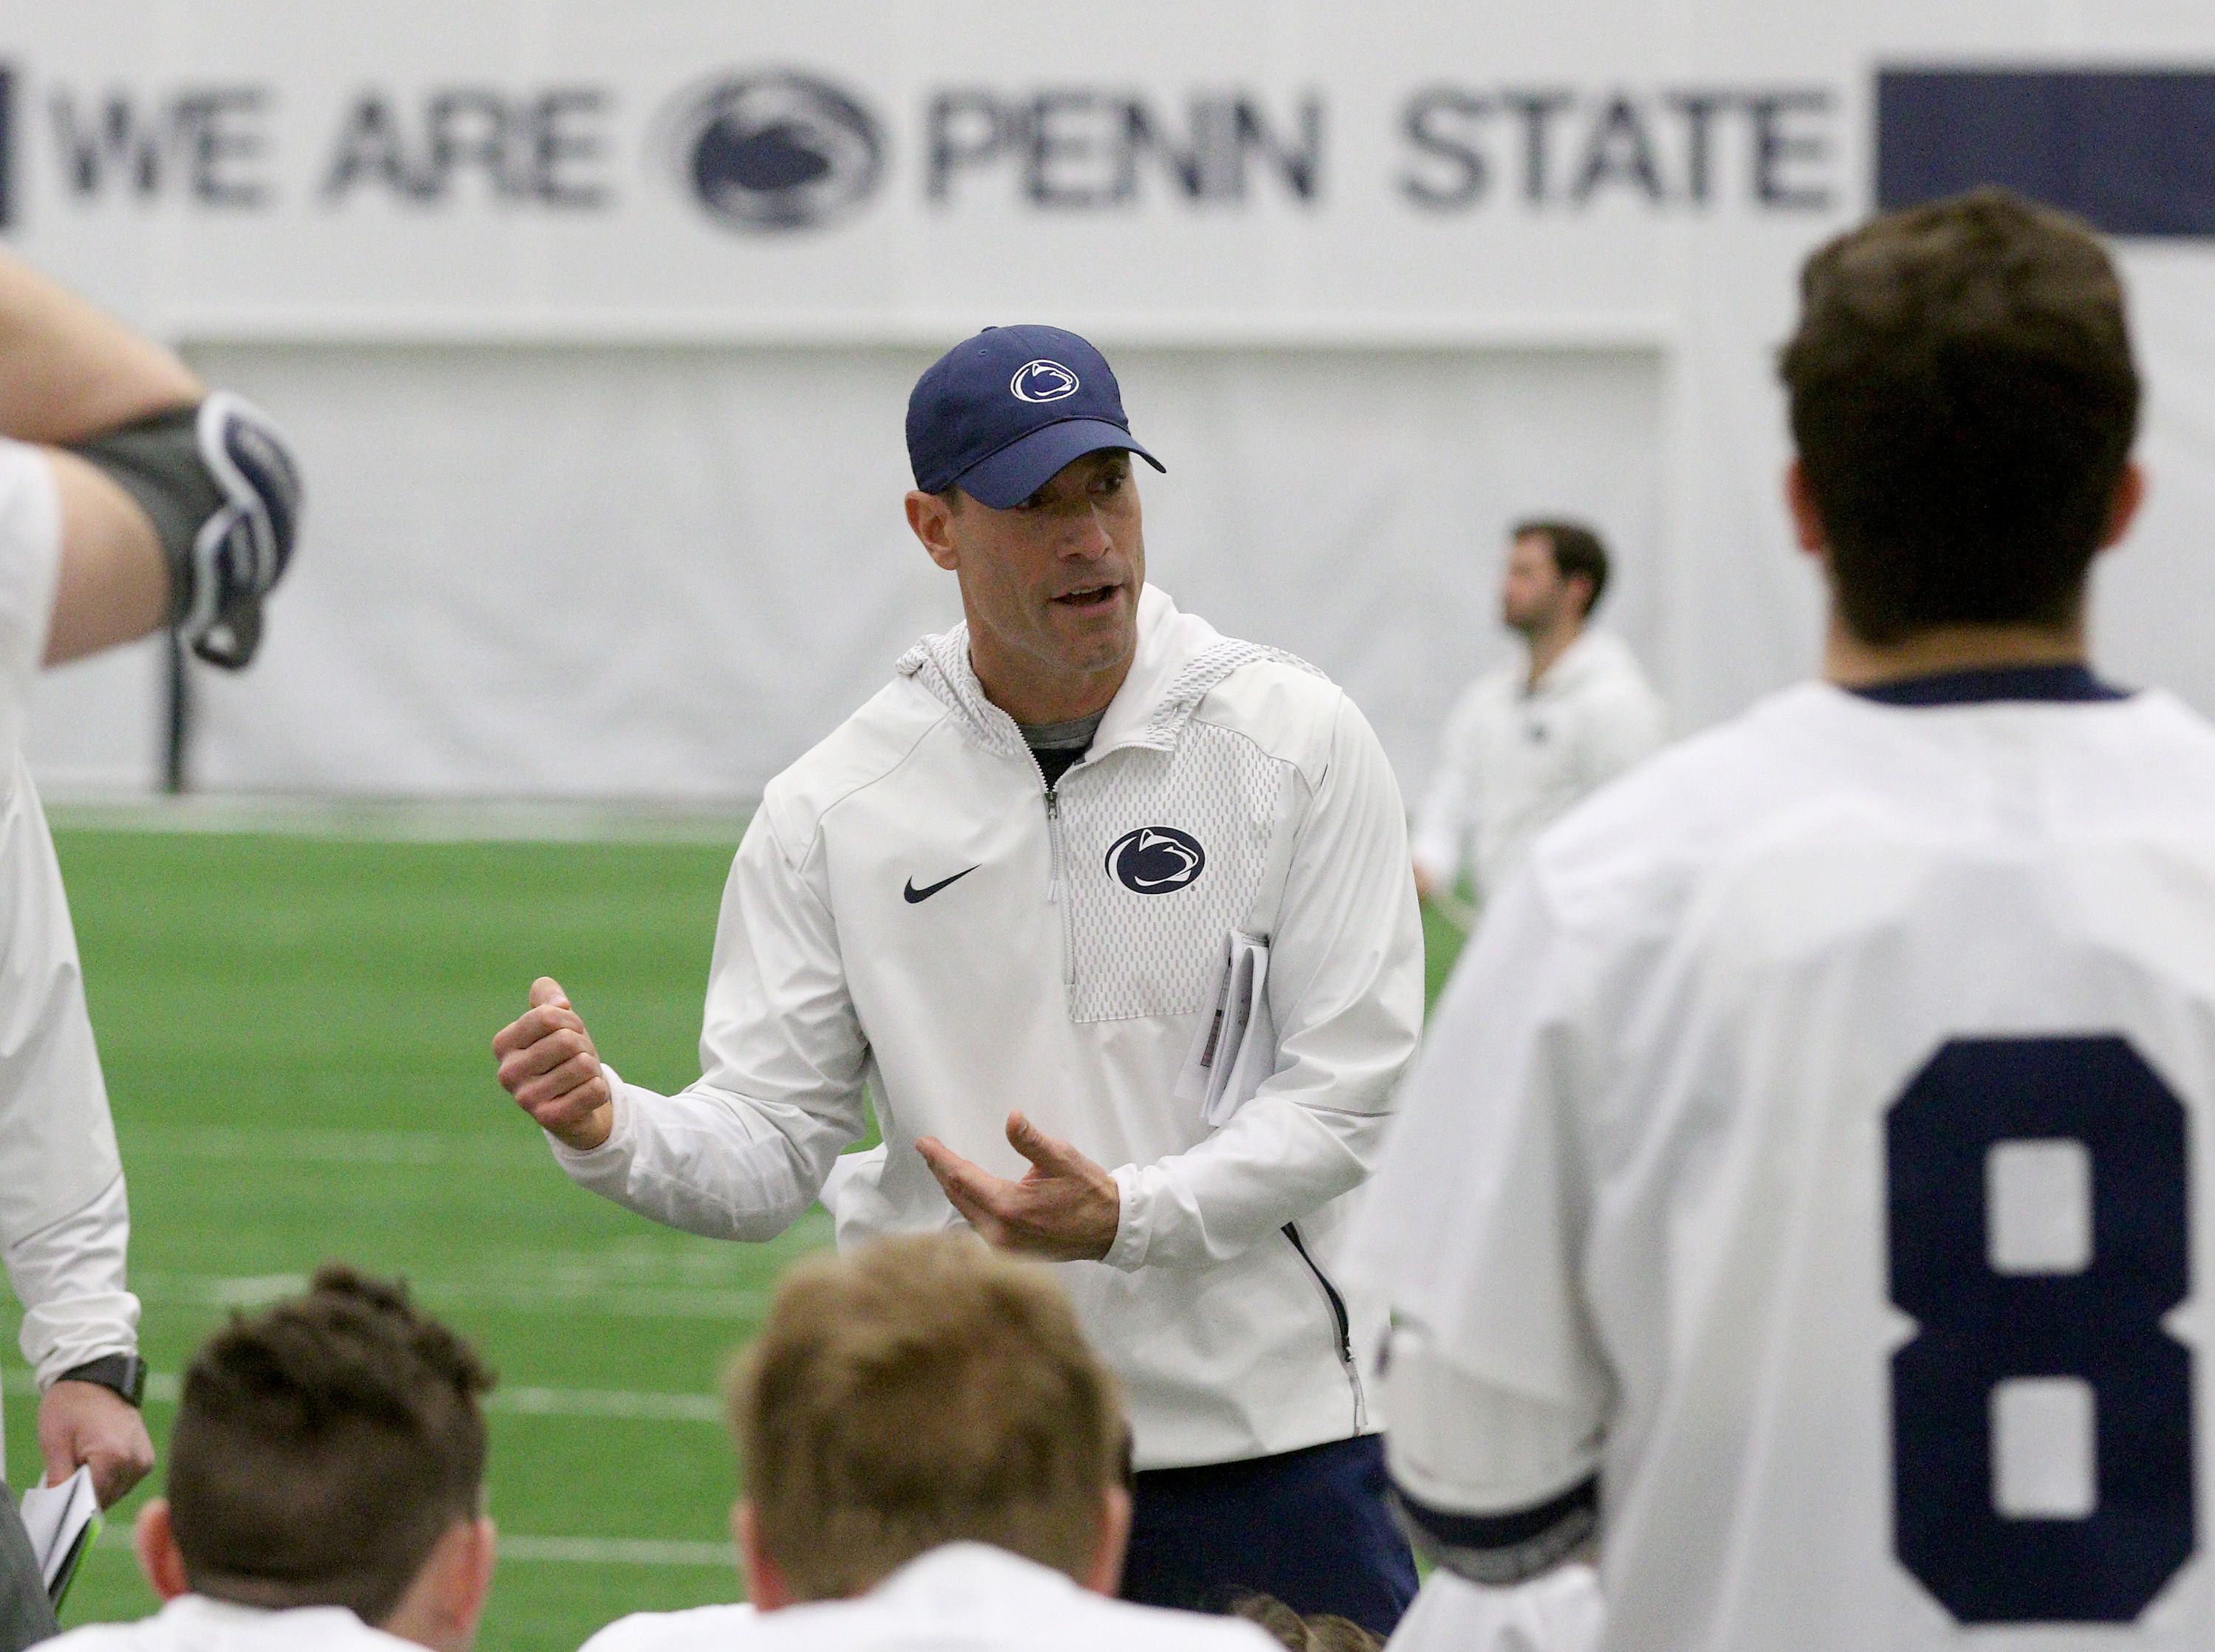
(1156, 860)
(1167, 851)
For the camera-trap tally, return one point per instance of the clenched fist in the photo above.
(84, 1424)
(549, 1064)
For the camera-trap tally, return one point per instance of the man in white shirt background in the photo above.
(326, 1486)
(933, 1458)
(1525, 742)
(130, 498)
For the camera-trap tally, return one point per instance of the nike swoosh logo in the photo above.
(915, 894)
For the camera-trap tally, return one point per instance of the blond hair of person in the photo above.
(919, 1391)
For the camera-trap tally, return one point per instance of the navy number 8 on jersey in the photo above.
(2084, 1317)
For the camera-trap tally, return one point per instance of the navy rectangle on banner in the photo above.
(2132, 150)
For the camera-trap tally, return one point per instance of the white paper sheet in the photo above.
(61, 1520)
(1235, 1049)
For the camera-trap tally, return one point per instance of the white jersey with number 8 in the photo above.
(1809, 1169)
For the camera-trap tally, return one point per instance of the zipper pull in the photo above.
(1052, 846)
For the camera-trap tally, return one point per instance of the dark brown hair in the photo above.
(323, 1447)
(1578, 553)
(1964, 402)
(919, 1391)
(1323, 1632)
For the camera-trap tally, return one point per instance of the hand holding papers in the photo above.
(62, 1520)
(1235, 1047)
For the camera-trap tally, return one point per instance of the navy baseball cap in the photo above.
(1000, 413)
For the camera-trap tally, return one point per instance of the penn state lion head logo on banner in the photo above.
(776, 151)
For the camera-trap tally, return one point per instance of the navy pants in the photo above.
(1310, 1527)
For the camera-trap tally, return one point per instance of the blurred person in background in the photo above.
(1803, 1194)
(933, 1457)
(998, 901)
(130, 499)
(1524, 744)
(326, 1486)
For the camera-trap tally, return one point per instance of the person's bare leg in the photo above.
(114, 582)
(69, 370)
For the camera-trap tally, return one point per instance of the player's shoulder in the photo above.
(1716, 776)
(1613, 674)
(1605, 660)
(2161, 742)
(1097, 1621)
(976, 1595)
(1638, 840)
(144, 1636)
(1290, 710)
(194, 1623)
(870, 744)
(1815, 753)
(696, 1628)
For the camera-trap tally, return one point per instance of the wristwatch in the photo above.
(121, 1374)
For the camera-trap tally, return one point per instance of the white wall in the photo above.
(97, 727)
(613, 571)
(605, 480)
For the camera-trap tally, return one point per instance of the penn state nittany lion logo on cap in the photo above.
(777, 151)
(1156, 860)
(1042, 381)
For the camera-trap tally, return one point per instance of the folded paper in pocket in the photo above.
(1235, 1048)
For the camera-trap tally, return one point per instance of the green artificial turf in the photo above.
(295, 1033)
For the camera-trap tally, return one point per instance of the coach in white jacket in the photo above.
(1006, 884)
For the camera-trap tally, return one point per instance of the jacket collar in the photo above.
(1181, 658)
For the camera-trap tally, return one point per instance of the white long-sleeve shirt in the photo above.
(912, 911)
(1516, 757)
(965, 1597)
(64, 1223)
(194, 1623)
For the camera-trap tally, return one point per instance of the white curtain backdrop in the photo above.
(609, 572)
(601, 411)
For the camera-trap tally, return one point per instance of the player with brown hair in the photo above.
(326, 1485)
(1797, 1196)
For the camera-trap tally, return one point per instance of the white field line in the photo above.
(401, 820)
(587, 1293)
(569, 1552)
(619, 1551)
(627, 1405)
(333, 1146)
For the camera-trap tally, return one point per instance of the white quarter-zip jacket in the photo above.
(65, 1220)
(913, 913)
(1516, 757)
